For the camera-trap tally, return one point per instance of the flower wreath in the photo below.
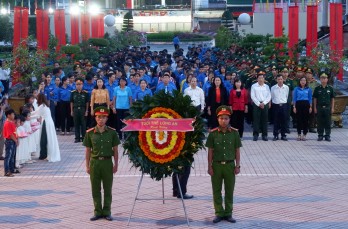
(160, 153)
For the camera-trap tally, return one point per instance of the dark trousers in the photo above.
(176, 46)
(65, 116)
(183, 178)
(302, 116)
(58, 115)
(280, 114)
(324, 120)
(260, 119)
(10, 154)
(249, 115)
(213, 122)
(312, 120)
(79, 123)
(6, 84)
(43, 142)
(237, 121)
(120, 114)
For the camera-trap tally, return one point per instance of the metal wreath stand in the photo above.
(163, 198)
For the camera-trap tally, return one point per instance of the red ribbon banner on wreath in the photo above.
(159, 124)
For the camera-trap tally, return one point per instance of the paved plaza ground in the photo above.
(282, 185)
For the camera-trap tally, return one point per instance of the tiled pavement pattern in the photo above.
(283, 185)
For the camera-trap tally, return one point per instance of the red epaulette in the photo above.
(111, 128)
(231, 128)
(215, 129)
(89, 130)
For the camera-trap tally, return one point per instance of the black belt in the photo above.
(101, 158)
(280, 104)
(224, 162)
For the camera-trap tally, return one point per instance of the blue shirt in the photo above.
(72, 86)
(55, 93)
(146, 78)
(2, 89)
(64, 94)
(122, 97)
(88, 87)
(133, 88)
(200, 79)
(111, 88)
(48, 89)
(169, 88)
(140, 94)
(206, 87)
(176, 40)
(302, 94)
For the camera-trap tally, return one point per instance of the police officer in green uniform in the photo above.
(101, 145)
(79, 109)
(323, 107)
(223, 163)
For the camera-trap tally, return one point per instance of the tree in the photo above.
(128, 24)
(6, 31)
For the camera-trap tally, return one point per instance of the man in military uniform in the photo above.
(101, 145)
(312, 84)
(79, 109)
(223, 163)
(324, 106)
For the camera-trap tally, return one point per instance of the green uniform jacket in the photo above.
(323, 95)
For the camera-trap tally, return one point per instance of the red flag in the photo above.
(42, 29)
(85, 27)
(129, 4)
(336, 33)
(25, 23)
(312, 28)
(101, 26)
(278, 22)
(59, 27)
(74, 20)
(97, 26)
(293, 27)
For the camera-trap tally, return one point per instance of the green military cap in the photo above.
(300, 68)
(310, 70)
(323, 74)
(223, 110)
(101, 111)
(284, 69)
(78, 79)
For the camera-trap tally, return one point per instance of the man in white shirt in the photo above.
(4, 76)
(280, 94)
(196, 94)
(261, 97)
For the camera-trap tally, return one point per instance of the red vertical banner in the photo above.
(94, 26)
(278, 22)
(293, 28)
(101, 31)
(129, 4)
(17, 25)
(59, 27)
(336, 34)
(25, 23)
(42, 29)
(74, 29)
(85, 27)
(312, 28)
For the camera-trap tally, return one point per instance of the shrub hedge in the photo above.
(184, 37)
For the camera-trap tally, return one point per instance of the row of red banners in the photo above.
(336, 29)
(21, 15)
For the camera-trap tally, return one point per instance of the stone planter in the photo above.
(16, 103)
(341, 101)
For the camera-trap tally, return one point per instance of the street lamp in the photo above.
(94, 9)
(74, 10)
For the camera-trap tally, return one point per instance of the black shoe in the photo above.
(77, 140)
(2, 158)
(275, 138)
(230, 219)
(175, 194)
(312, 131)
(185, 197)
(327, 138)
(284, 138)
(96, 217)
(255, 138)
(320, 138)
(217, 219)
(9, 175)
(265, 138)
(109, 218)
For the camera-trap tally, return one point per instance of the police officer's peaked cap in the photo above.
(223, 110)
(101, 111)
(323, 74)
(310, 70)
